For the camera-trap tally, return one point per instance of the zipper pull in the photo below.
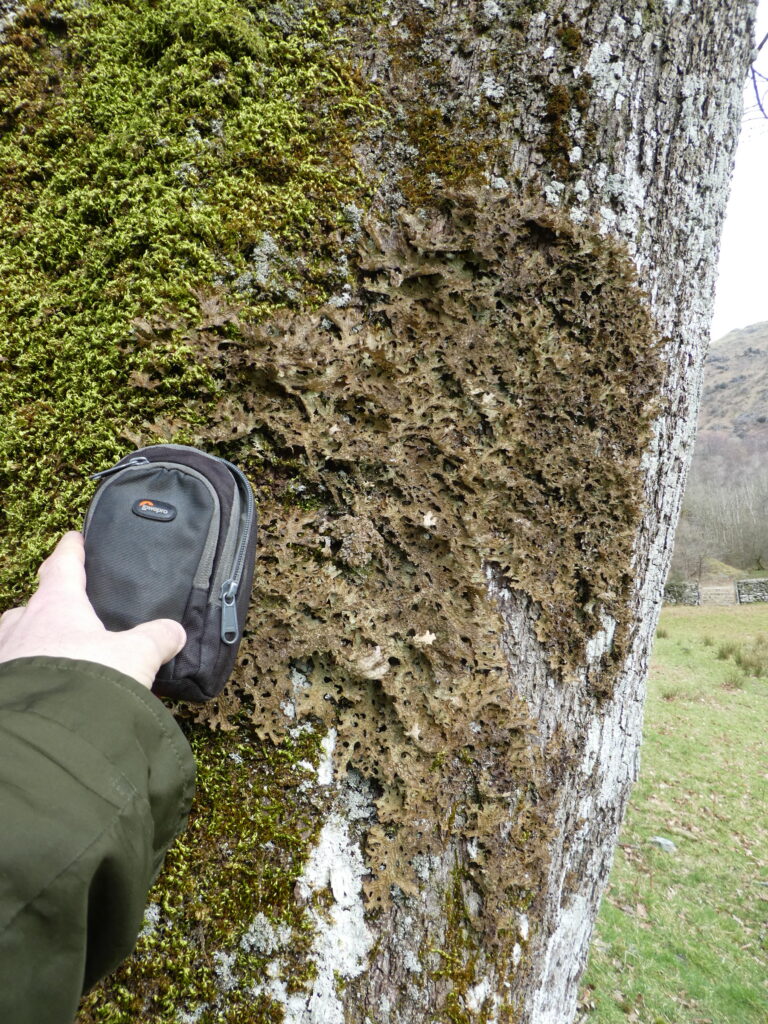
(230, 631)
(139, 460)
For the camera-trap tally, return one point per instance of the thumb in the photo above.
(166, 636)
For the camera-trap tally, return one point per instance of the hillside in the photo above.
(723, 517)
(735, 397)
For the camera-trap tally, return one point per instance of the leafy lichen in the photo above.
(485, 400)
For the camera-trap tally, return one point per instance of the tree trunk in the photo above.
(643, 155)
(493, 423)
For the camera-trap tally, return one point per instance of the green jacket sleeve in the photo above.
(96, 780)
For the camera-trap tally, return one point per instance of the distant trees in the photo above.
(725, 510)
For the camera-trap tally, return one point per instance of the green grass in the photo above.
(683, 938)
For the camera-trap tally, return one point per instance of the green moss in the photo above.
(456, 962)
(568, 96)
(562, 100)
(559, 103)
(653, 15)
(242, 855)
(449, 153)
(146, 152)
(457, 957)
(449, 127)
(570, 39)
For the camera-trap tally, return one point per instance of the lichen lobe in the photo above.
(483, 399)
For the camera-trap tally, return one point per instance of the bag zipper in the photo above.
(230, 629)
(138, 460)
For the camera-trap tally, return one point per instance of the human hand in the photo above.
(59, 622)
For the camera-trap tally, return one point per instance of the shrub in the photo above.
(752, 660)
(734, 680)
(726, 650)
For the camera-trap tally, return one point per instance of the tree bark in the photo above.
(650, 161)
(493, 424)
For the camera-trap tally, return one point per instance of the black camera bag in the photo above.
(171, 533)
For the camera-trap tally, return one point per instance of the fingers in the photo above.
(167, 637)
(64, 569)
(7, 619)
(71, 544)
(61, 601)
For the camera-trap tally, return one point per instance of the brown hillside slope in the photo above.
(735, 396)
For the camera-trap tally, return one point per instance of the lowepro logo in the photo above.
(160, 511)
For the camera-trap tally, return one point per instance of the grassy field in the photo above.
(682, 937)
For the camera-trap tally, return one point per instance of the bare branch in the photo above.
(757, 90)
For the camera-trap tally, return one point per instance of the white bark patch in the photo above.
(411, 962)
(288, 709)
(342, 939)
(224, 969)
(299, 682)
(477, 995)
(492, 89)
(357, 797)
(553, 192)
(608, 765)
(601, 642)
(7, 18)
(325, 767)
(151, 921)
(491, 10)
(191, 1016)
(573, 932)
(263, 937)
(605, 71)
(324, 770)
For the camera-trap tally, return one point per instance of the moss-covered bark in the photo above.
(149, 153)
(225, 903)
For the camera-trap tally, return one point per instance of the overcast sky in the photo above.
(742, 289)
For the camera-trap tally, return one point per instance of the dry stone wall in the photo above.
(682, 593)
(751, 591)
